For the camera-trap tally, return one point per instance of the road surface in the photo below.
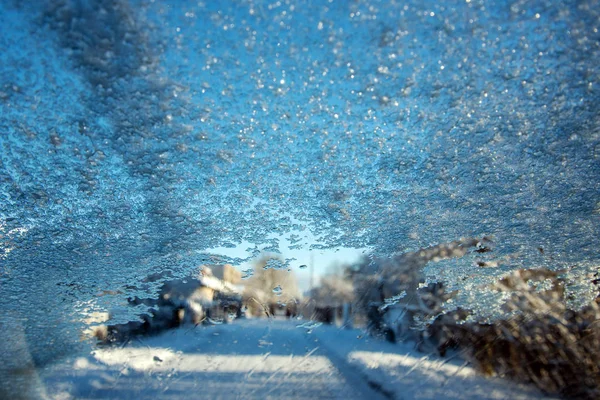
(267, 359)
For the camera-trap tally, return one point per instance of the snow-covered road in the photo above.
(260, 359)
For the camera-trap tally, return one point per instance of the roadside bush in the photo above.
(547, 344)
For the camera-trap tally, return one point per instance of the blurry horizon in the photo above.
(297, 260)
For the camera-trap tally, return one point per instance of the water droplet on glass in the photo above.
(309, 325)
(277, 290)
(247, 273)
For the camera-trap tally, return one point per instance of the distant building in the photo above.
(227, 273)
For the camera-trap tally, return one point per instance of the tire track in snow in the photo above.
(365, 387)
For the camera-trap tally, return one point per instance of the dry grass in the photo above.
(547, 344)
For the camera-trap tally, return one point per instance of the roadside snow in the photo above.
(401, 372)
(258, 359)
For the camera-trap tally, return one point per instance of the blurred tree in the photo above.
(335, 288)
(271, 283)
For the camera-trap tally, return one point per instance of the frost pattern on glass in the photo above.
(390, 301)
(277, 290)
(136, 136)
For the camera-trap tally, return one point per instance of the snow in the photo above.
(405, 373)
(259, 359)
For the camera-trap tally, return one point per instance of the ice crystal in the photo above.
(135, 136)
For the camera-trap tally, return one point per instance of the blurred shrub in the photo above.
(545, 343)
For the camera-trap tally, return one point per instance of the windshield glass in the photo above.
(203, 194)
